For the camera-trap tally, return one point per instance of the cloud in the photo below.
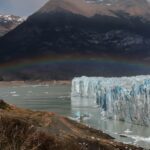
(20, 7)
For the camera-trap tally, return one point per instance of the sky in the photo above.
(20, 7)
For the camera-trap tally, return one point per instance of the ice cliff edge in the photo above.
(126, 98)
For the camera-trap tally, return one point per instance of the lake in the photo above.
(57, 98)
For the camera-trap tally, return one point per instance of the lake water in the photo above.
(56, 98)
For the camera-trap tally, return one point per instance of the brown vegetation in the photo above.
(33, 130)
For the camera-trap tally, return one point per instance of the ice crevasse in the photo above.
(125, 98)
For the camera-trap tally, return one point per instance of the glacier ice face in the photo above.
(126, 98)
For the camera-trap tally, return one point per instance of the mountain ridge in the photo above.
(9, 22)
(69, 31)
(90, 8)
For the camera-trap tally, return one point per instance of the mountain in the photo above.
(77, 31)
(8, 23)
(103, 7)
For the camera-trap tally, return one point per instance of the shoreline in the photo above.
(50, 131)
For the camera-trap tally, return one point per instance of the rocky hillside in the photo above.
(8, 23)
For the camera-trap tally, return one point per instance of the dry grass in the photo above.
(28, 130)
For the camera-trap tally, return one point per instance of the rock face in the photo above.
(126, 99)
(8, 23)
(68, 28)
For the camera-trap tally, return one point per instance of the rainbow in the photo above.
(66, 59)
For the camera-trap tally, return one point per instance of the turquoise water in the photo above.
(56, 98)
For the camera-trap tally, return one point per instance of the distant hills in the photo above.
(9, 22)
(80, 29)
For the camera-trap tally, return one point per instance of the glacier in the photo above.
(123, 98)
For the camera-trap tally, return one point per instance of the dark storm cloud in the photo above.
(20, 7)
